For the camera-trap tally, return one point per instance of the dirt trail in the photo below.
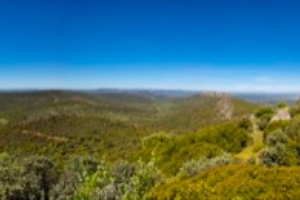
(45, 136)
(257, 137)
(257, 134)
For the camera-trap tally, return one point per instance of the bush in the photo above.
(275, 125)
(276, 137)
(246, 124)
(251, 160)
(172, 157)
(264, 115)
(257, 147)
(294, 110)
(293, 129)
(229, 137)
(156, 140)
(194, 167)
(171, 152)
(11, 184)
(235, 182)
(266, 110)
(281, 104)
(31, 178)
(120, 181)
(263, 122)
(91, 183)
(273, 156)
(66, 187)
(144, 179)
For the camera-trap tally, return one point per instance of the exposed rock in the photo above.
(281, 114)
(225, 107)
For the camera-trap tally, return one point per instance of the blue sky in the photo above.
(223, 45)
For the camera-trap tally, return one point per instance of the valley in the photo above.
(102, 143)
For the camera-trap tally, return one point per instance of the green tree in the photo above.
(42, 171)
(281, 104)
(265, 110)
(277, 137)
(293, 130)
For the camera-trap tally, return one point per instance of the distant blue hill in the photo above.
(257, 97)
(155, 92)
(271, 98)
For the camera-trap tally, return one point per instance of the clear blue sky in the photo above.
(224, 45)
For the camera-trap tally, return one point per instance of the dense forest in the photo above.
(143, 145)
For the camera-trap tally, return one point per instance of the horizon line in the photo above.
(144, 89)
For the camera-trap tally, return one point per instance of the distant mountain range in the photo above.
(257, 97)
(271, 98)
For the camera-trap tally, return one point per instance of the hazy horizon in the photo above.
(124, 90)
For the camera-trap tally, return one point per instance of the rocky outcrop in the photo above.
(225, 107)
(281, 114)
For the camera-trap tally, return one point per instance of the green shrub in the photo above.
(235, 182)
(257, 147)
(156, 140)
(274, 125)
(229, 137)
(144, 179)
(273, 156)
(251, 160)
(263, 122)
(11, 184)
(276, 137)
(120, 181)
(171, 152)
(265, 110)
(66, 186)
(294, 110)
(194, 167)
(172, 157)
(91, 183)
(281, 104)
(281, 150)
(246, 124)
(30, 178)
(293, 129)
(293, 154)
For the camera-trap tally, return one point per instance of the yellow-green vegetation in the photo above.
(295, 109)
(171, 152)
(235, 182)
(273, 126)
(37, 177)
(252, 150)
(191, 114)
(281, 105)
(110, 125)
(3, 121)
(263, 116)
(71, 145)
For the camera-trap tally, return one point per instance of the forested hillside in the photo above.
(77, 145)
(100, 124)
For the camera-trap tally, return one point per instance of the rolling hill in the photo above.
(102, 124)
(137, 145)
